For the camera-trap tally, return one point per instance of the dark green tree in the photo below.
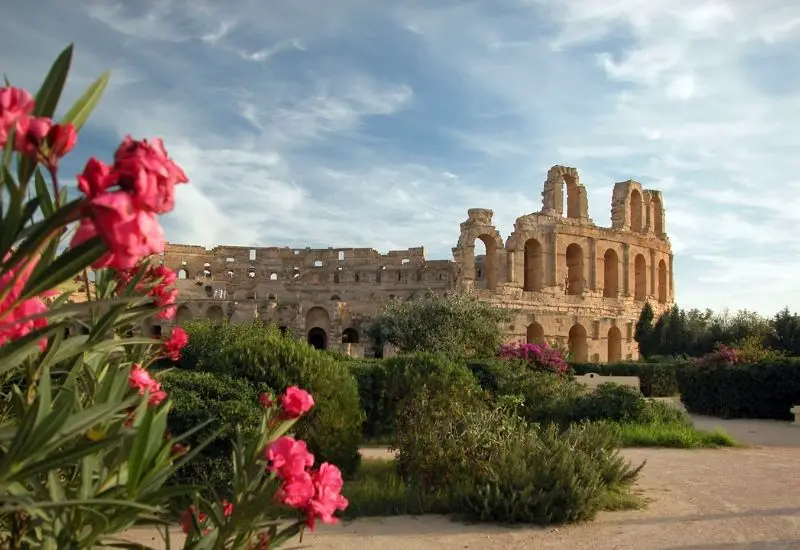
(643, 334)
(785, 335)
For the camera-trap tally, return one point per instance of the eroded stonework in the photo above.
(565, 279)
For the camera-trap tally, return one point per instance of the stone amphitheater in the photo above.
(565, 279)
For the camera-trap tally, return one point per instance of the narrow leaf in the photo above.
(80, 112)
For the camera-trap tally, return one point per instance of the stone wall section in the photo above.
(565, 279)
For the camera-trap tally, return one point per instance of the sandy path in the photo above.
(728, 499)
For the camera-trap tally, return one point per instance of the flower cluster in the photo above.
(141, 381)
(316, 492)
(36, 137)
(157, 283)
(123, 200)
(14, 315)
(176, 342)
(538, 356)
(721, 357)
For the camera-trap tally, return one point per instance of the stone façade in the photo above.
(564, 278)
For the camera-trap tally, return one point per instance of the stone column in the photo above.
(553, 271)
(653, 273)
(511, 267)
(626, 269)
(671, 296)
(592, 263)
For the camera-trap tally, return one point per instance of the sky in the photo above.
(356, 123)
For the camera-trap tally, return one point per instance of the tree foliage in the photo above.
(456, 325)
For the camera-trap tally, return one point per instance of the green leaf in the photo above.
(43, 193)
(50, 92)
(80, 112)
(14, 353)
(66, 266)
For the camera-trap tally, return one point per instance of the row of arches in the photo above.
(574, 280)
(578, 342)
(637, 224)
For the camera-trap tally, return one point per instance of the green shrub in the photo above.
(384, 384)
(258, 353)
(655, 379)
(495, 467)
(201, 396)
(762, 390)
(610, 402)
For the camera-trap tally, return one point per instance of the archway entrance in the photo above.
(318, 338)
(349, 336)
(578, 348)
(535, 334)
(614, 345)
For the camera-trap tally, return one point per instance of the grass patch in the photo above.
(677, 435)
(378, 490)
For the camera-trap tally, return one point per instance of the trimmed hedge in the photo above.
(261, 355)
(762, 390)
(201, 396)
(656, 379)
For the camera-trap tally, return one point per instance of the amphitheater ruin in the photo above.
(565, 279)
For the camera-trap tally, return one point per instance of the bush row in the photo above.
(764, 390)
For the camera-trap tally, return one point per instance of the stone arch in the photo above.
(614, 345)
(574, 259)
(336, 298)
(350, 336)
(578, 346)
(156, 331)
(533, 279)
(640, 278)
(636, 205)
(610, 274)
(318, 326)
(182, 273)
(573, 197)
(215, 313)
(209, 291)
(658, 216)
(535, 334)
(662, 282)
(488, 269)
(183, 315)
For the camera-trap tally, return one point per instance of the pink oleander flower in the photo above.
(266, 400)
(295, 402)
(187, 520)
(145, 170)
(61, 139)
(297, 490)
(327, 497)
(141, 381)
(177, 341)
(95, 179)
(129, 234)
(31, 134)
(14, 322)
(15, 104)
(288, 456)
(227, 508)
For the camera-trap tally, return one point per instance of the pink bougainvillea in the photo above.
(720, 357)
(538, 356)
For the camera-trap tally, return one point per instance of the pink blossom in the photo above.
(327, 497)
(141, 381)
(95, 179)
(15, 104)
(288, 456)
(537, 356)
(31, 133)
(177, 341)
(227, 508)
(129, 234)
(297, 490)
(295, 402)
(146, 171)
(188, 517)
(14, 322)
(266, 400)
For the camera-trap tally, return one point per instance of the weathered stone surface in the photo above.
(566, 279)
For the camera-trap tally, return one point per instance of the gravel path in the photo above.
(728, 499)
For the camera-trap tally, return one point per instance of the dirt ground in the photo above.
(727, 499)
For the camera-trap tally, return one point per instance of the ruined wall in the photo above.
(324, 295)
(566, 279)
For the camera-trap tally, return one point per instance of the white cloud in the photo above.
(350, 123)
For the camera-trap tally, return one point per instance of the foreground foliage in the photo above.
(85, 450)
